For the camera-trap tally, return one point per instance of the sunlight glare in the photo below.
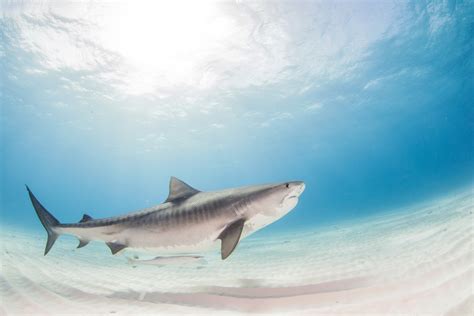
(172, 39)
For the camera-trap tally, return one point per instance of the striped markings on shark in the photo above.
(188, 221)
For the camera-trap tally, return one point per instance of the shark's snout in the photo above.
(300, 186)
(296, 187)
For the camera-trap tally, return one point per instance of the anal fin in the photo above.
(115, 247)
(230, 237)
(82, 243)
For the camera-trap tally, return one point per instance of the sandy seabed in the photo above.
(415, 261)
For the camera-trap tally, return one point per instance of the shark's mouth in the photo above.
(291, 198)
(294, 195)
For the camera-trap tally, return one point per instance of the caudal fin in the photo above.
(48, 221)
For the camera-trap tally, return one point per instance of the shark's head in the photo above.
(273, 201)
(283, 197)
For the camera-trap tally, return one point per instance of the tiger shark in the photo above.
(188, 221)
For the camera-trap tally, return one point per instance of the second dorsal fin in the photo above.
(85, 218)
(179, 190)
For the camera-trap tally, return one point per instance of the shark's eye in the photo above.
(287, 185)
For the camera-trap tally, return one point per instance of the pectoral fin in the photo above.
(230, 237)
(115, 247)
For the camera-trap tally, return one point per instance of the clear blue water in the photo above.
(369, 103)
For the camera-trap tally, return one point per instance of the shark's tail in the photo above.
(49, 221)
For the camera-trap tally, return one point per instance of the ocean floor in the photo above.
(418, 260)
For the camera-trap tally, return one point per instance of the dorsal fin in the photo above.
(179, 190)
(115, 247)
(85, 218)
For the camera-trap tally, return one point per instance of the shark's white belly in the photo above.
(193, 239)
(177, 241)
